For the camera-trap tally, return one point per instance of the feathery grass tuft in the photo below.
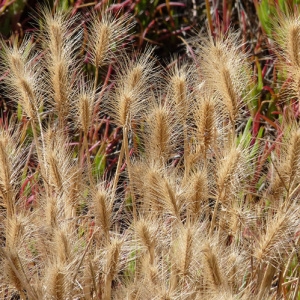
(165, 190)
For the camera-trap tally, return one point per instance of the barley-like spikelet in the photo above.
(84, 105)
(59, 32)
(16, 273)
(61, 173)
(151, 176)
(88, 279)
(128, 102)
(277, 188)
(287, 41)
(102, 206)
(56, 209)
(283, 185)
(293, 89)
(178, 90)
(179, 96)
(160, 190)
(56, 282)
(293, 42)
(147, 234)
(5, 173)
(226, 71)
(229, 176)
(230, 95)
(170, 198)
(184, 251)
(57, 161)
(228, 171)
(15, 231)
(150, 272)
(62, 246)
(51, 212)
(24, 78)
(131, 94)
(111, 266)
(213, 276)
(272, 243)
(60, 39)
(287, 37)
(13, 270)
(6, 188)
(24, 83)
(161, 135)
(139, 72)
(54, 170)
(72, 192)
(61, 88)
(205, 121)
(107, 33)
(196, 194)
(11, 163)
(293, 159)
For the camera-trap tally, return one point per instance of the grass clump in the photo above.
(185, 208)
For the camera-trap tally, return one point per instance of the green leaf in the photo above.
(245, 137)
(99, 164)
